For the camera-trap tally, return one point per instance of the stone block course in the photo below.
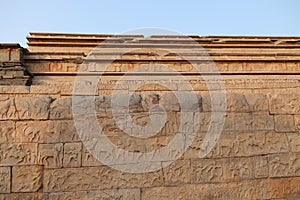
(245, 146)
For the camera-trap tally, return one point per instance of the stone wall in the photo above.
(256, 157)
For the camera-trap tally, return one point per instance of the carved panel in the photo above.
(285, 104)
(7, 108)
(5, 176)
(72, 155)
(33, 107)
(233, 144)
(177, 173)
(282, 165)
(245, 121)
(26, 178)
(297, 121)
(257, 102)
(294, 141)
(7, 131)
(61, 108)
(18, 154)
(96, 178)
(51, 155)
(120, 194)
(166, 193)
(224, 170)
(88, 159)
(284, 123)
(24, 196)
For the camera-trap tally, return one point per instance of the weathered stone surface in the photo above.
(284, 188)
(27, 178)
(231, 144)
(43, 89)
(7, 108)
(5, 179)
(46, 131)
(257, 102)
(72, 154)
(7, 131)
(255, 157)
(285, 104)
(227, 170)
(234, 121)
(120, 194)
(297, 122)
(24, 196)
(283, 165)
(51, 155)
(294, 141)
(178, 173)
(33, 107)
(61, 108)
(18, 154)
(255, 122)
(284, 123)
(235, 102)
(37, 131)
(88, 159)
(94, 178)
(17, 89)
(169, 102)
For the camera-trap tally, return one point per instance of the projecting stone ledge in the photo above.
(12, 68)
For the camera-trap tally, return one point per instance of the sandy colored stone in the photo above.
(283, 188)
(5, 179)
(297, 121)
(225, 170)
(7, 132)
(72, 154)
(33, 107)
(231, 144)
(103, 177)
(61, 108)
(284, 123)
(17, 89)
(284, 165)
(177, 173)
(54, 131)
(25, 196)
(121, 194)
(27, 178)
(285, 104)
(88, 159)
(294, 141)
(51, 155)
(233, 121)
(258, 102)
(18, 154)
(7, 108)
(44, 89)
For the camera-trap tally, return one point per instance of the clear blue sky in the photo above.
(211, 17)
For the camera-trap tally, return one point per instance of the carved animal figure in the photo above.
(7, 108)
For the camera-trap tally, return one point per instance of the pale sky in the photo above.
(212, 17)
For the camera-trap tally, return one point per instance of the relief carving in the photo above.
(7, 131)
(26, 178)
(7, 108)
(240, 170)
(51, 155)
(33, 107)
(13, 154)
(72, 155)
(5, 179)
